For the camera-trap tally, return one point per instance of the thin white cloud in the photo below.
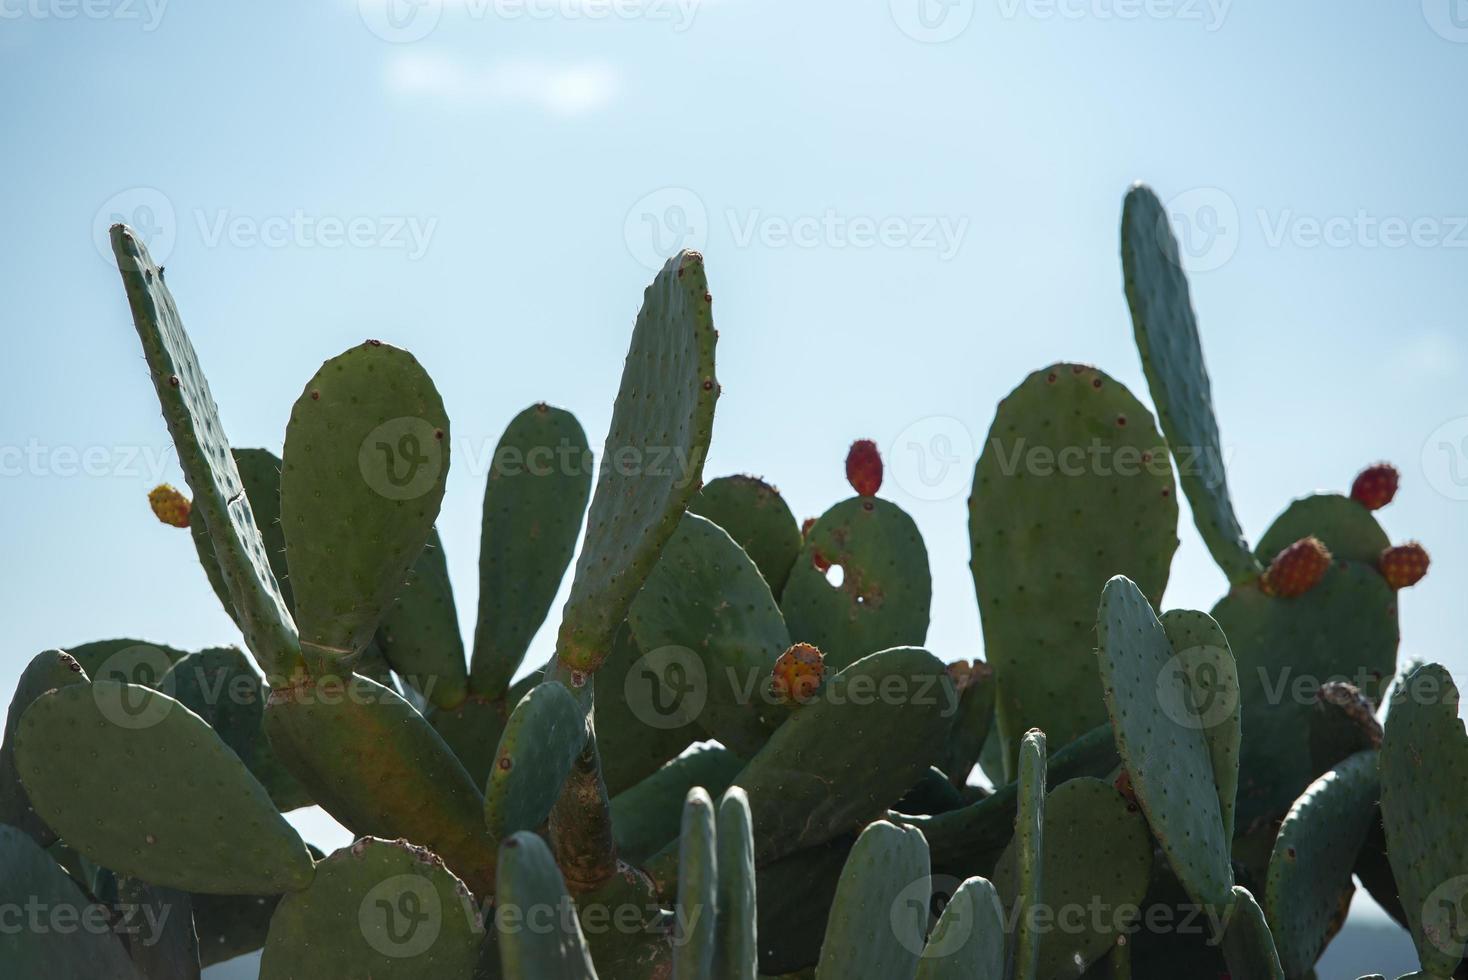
(566, 90)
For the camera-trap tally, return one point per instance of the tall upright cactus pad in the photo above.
(1172, 357)
(1029, 855)
(1097, 853)
(534, 503)
(28, 877)
(1073, 486)
(1343, 525)
(1344, 629)
(885, 590)
(651, 467)
(365, 463)
(221, 687)
(376, 910)
(1162, 743)
(696, 932)
(203, 453)
(757, 518)
(880, 914)
(1248, 945)
(1424, 781)
(138, 783)
(371, 761)
(860, 743)
(259, 471)
(529, 883)
(1309, 886)
(1203, 657)
(47, 671)
(968, 942)
(736, 955)
(419, 633)
(539, 745)
(706, 597)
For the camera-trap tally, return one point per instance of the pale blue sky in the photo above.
(500, 178)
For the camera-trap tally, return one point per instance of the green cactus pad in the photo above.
(129, 661)
(221, 687)
(736, 955)
(880, 913)
(372, 762)
(259, 471)
(377, 910)
(1347, 528)
(161, 941)
(653, 462)
(1073, 486)
(698, 888)
(854, 749)
(1172, 357)
(1029, 854)
(1098, 853)
(886, 588)
(29, 878)
(534, 503)
(646, 712)
(648, 815)
(137, 782)
(419, 634)
(706, 597)
(1424, 780)
(640, 941)
(1248, 945)
(972, 726)
(759, 521)
(208, 465)
(968, 942)
(1344, 629)
(528, 883)
(47, 671)
(540, 743)
(1162, 742)
(366, 458)
(1309, 885)
(1207, 665)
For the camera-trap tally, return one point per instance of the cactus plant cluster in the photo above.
(740, 761)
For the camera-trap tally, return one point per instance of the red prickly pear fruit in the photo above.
(805, 527)
(169, 506)
(1297, 569)
(797, 674)
(864, 468)
(1375, 486)
(1404, 565)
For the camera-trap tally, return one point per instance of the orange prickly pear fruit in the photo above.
(1297, 569)
(169, 506)
(797, 674)
(1404, 564)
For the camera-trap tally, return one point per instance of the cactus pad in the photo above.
(698, 887)
(419, 634)
(259, 471)
(376, 910)
(968, 942)
(137, 782)
(736, 956)
(1348, 529)
(759, 521)
(1162, 743)
(1029, 854)
(529, 883)
(648, 815)
(1172, 357)
(1207, 665)
(534, 502)
(208, 465)
(661, 426)
(47, 671)
(1072, 459)
(365, 462)
(875, 929)
(886, 588)
(540, 743)
(1248, 945)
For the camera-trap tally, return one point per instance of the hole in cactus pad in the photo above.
(835, 575)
